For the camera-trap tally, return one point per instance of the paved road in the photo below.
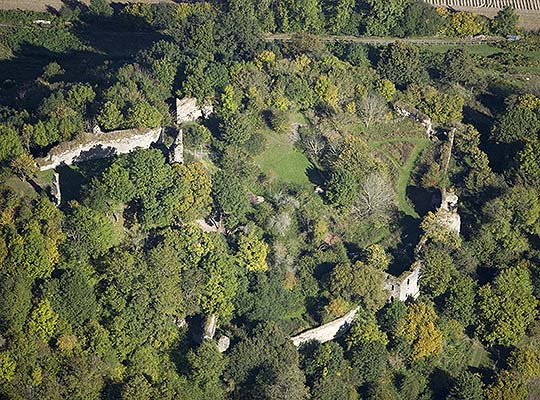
(386, 40)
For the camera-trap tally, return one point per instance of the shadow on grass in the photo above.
(108, 43)
(403, 253)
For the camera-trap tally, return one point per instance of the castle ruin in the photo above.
(188, 110)
(90, 146)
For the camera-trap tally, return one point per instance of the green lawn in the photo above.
(282, 159)
(479, 355)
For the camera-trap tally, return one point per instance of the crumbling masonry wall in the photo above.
(89, 146)
(326, 332)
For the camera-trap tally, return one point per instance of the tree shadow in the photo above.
(107, 43)
(421, 198)
(314, 175)
(403, 252)
(440, 383)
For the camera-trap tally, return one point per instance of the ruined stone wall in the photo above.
(187, 110)
(326, 332)
(89, 146)
(406, 285)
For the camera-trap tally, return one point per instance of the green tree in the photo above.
(24, 166)
(518, 122)
(505, 22)
(137, 387)
(419, 19)
(466, 386)
(52, 70)
(529, 162)
(114, 186)
(400, 63)
(525, 360)
(72, 296)
(437, 272)
(360, 283)
(369, 361)
(142, 114)
(110, 117)
(460, 300)
(207, 365)
(10, 143)
(506, 307)
(458, 66)
(510, 219)
(383, 16)
(507, 387)
(266, 365)
(221, 285)
(342, 188)
(231, 197)
(365, 330)
(239, 35)
(340, 16)
(89, 232)
(43, 320)
(391, 316)
(196, 198)
(79, 95)
(15, 301)
(101, 8)
(236, 130)
(7, 367)
(252, 252)
(386, 89)
(465, 24)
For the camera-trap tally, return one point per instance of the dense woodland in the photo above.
(103, 297)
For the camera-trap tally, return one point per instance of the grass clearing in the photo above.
(281, 159)
(479, 355)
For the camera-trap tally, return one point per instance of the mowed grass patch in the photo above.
(479, 356)
(282, 160)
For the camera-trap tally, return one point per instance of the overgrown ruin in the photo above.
(406, 285)
(188, 110)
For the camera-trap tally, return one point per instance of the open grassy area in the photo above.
(479, 355)
(281, 159)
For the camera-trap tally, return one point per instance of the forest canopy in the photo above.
(311, 178)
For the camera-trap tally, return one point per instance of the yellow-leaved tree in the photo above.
(421, 332)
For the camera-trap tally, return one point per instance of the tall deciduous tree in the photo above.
(505, 22)
(401, 64)
(420, 330)
(506, 306)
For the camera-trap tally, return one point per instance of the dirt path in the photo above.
(387, 40)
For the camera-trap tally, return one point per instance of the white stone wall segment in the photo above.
(326, 332)
(89, 146)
